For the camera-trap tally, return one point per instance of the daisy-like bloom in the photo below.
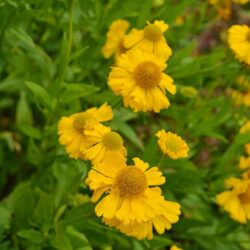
(239, 42)
(140, 80)
(172, 145)
(115, 39)
(71, 129)
(245, 128)
(132, 203)
(100, 141)
(236, 201)
(150, 39)
(175, 248)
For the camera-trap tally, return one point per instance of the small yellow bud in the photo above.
(189, 91)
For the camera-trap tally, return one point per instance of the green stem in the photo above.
(161, 160)
(63, 68)
(69, 45)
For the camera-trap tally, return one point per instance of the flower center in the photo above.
(112, 140)
(80, 120)
(131, 182)
(245, 197)
(147, 75)
(173, 146)
(152, 32)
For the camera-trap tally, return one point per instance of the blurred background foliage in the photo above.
(51, 65)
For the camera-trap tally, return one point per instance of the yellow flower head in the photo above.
(239, 42)
(100, 141)
(244, 162)
(247, 148)
(245, 128)
(150, 39)
(223, 8)
(140, 80)
(242, 96)
(132, 197)
(71, 129)
(236, 201)
(115, 39)
(172, 145)
(241, 1)
(175, 248)
(243, 81)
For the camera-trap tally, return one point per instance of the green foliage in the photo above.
(51, 66)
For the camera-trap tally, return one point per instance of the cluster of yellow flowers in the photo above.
(125, 192)
(128, 197)
(141, 57)
(241, 96)
(224, 7)
(236, 200)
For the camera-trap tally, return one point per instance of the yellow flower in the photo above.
(244, 162)
(245, 128)
(71, 129)
(236, 201)
(150, 39)
(239, 42)
(172, 145)
(247, 148)
(223, 8)
(213, 1)
(175, 248)
(140, 80)
(115, 39)
(246, 98)
(101, 140)
(243, 81)
(242, 96)
(179, 20)
(161, 222)
(138, 230)
(132, 197)
(241, 1)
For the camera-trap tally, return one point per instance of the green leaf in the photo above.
(79, 213)
(22, 210)
(5, 217)
(78, 239)
(78, 53)
(43, 214)
(23, 111)
(73, 91)
(40, 93)
(125, 129)
(144, 13)
(31, 235)
(61, 240)
(230, 153)
(34, 153)
(30, 131)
